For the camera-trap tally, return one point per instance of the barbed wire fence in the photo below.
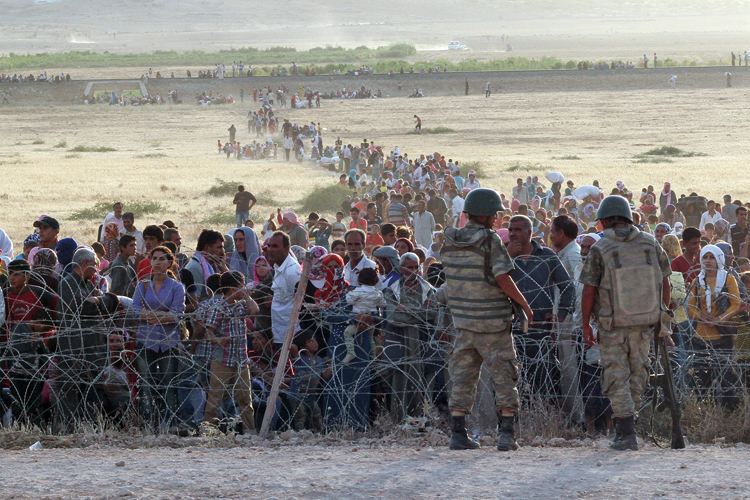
(84, 368)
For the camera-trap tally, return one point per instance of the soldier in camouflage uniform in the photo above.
(479, 286)
(626, 285)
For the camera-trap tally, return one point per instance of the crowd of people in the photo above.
(41, 77)
(134, 324)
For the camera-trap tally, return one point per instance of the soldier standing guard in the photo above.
(480, 290)
(626, 286)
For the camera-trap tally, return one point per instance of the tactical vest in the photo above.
(475, 304)
(630, 289)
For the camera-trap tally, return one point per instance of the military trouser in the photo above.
(625, 365)
(494, 350)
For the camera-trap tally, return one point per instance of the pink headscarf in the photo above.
(256, 278)
(291, 217)
(504, 235)
(514, 206)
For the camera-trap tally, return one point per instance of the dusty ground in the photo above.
(168, 153)
(356, 471)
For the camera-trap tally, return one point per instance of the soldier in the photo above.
(480, 290)
(626, 285)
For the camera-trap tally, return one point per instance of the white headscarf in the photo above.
(6, 246)
(721, 274)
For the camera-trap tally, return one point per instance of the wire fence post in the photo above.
(284, 353)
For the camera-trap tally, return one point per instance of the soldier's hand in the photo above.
(588, 335)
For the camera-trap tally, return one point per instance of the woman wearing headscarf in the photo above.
(6, 248)
(262, 294)
(662, 229)
(110, 241)
(721, 231)
(714, 300)
(246, 251)
(65, 249)
(228, 248)
(43, 271)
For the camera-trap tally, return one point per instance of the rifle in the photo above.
(665, 380)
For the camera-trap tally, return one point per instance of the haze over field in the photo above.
(694, 29)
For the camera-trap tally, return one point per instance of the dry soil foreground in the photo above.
(393, 473)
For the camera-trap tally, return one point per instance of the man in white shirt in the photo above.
(115, 217)
(457, 206)
(355, 245)
(520, 192)
(424, 224)
(710, 215)
(563, 234)
(286, 276)
(471, 181)
(128, 228)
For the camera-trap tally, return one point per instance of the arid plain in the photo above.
(168, 153)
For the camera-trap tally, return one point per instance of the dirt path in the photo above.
(350, 472)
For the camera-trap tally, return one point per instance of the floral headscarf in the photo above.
(299, 252)
(317, 273)
(335, 284)
(111, 231)
(45, 261)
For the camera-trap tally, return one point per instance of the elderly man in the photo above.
(423, 224)
(286, 276)
(388, 263)
(355, 245)
(538, 273)
(410, 304)
(291, 226)
(81, 340)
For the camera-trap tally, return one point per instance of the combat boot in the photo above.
(506, 440)
(628, 440)
(460, 439)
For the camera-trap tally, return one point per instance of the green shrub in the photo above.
(435, 130)
(672, 151)
(223, 188)
(61, 144)
(325, 200)
(477, 167)
(38, 141)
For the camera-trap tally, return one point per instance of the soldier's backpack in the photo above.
(630, 289)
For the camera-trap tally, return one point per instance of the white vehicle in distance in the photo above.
(456, 46)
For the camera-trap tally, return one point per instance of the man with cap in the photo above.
(480, 290)
(48, 230)
(471, 183)
(291, 226)
(626, 286)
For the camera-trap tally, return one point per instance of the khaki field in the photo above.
(168, 154)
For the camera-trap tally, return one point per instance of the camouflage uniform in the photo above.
(481, 315)
(624, 350)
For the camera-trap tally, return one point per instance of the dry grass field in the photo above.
(168, 155)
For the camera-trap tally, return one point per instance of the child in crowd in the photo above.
(365, 300)
(338, 228)
(227, 330)
(321, 233)
(374, 239)
(310, 370)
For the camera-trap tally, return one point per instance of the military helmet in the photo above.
(614, 206)
(483, 202)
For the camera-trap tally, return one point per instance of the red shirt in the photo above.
(359, 224)
(374, 240)
(144, 268)
(689, 272)
(20, 308)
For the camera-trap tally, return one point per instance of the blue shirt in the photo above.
(537, 276)
(169, 298)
